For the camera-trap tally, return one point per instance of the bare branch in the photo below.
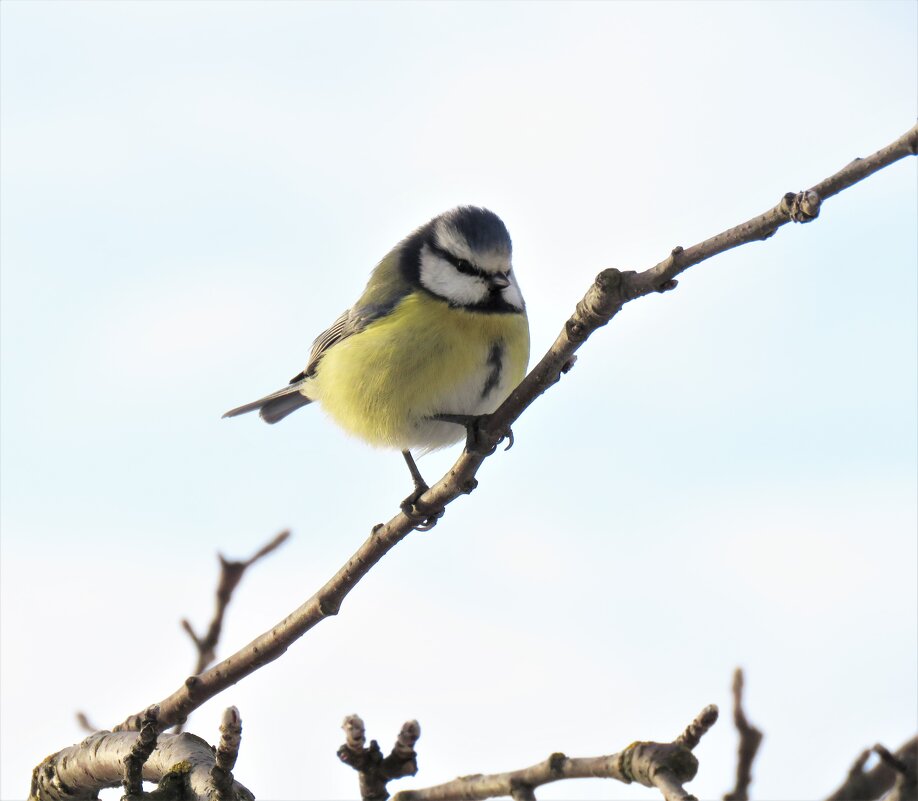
(906, 787)
(180, 764)
(609, 292)
(698, 728)
(230, 575)
(273, 545)
(85, 723)
(666, 766)
(374, 770)
(226, 754)
(408, 736)
(898, 765)
(867, 785)
(139, 754)
(750, 740)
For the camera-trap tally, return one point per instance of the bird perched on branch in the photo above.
(438, 338)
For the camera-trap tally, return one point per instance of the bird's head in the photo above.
(465, 259)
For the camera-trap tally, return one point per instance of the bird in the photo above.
(439, 338)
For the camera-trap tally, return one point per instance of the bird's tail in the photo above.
(277, 405)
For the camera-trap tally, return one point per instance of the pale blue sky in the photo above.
(192, 191)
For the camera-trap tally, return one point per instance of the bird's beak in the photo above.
(499, 281)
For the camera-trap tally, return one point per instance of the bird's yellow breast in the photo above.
(423, 358)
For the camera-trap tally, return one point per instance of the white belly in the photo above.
(485, 390)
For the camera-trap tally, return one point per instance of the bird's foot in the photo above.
(475, 437)
(423, 518)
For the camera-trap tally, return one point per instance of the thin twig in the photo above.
(604, 299)
(867, 785)
(376, 771)
(665, 766)
(897, 764)
(230, 575)
(139, 754)
(750, 740)
(226, 754)
(85, 723)
(906, 786)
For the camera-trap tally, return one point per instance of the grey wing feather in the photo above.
(275, 406)
(353, 321)
(382, 295)
(278, 405)
(387, 286)
(350, 322)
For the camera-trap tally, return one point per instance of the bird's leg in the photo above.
(420, 485)
(473, 432)
(426, 520)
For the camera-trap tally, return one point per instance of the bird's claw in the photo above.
(423, 519)
(474, 435)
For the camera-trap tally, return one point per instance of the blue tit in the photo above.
(439, 332)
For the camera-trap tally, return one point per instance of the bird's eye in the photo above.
(466, 267)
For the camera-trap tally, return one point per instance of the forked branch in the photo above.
(375, 770)
(665, 766)
(895, 771)
(231, 573)
(183, 766)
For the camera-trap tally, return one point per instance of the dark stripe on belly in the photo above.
(496, 361)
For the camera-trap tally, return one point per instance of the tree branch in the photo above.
(85, 723)
(867, 785)
(750, 740)
(665, 766)
(140, 752)
(226, 753)
(906, 787)
(375, 770)
(181, 764)
(230, 575)
(603, 300)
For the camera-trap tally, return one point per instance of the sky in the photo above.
(192, 191)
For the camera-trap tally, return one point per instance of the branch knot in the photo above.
(801, 207)
(642, 762)
(600, 304)
(556, 763)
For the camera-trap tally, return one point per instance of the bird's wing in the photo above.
(385, 290)
(347, 324)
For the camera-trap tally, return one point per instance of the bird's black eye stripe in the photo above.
(462, 265)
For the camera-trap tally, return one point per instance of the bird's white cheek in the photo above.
(440, 278)
(512, 294)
